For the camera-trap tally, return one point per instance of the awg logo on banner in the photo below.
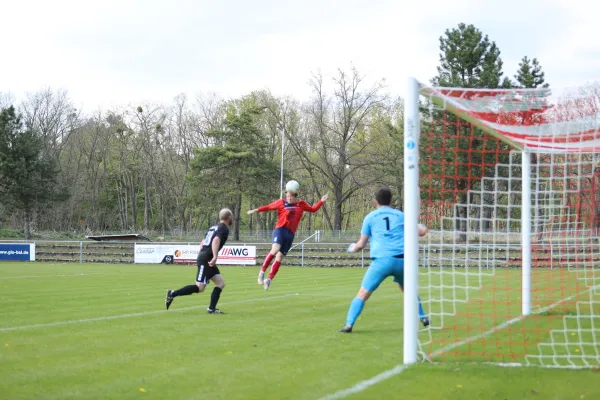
(234, 252)
(229, 255)
(187, 254)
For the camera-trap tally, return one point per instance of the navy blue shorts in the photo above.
(285, 238)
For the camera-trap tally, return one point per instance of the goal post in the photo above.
(526, 233)
(506, 181)
(411, 220)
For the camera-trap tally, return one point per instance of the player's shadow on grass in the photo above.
(376, 330)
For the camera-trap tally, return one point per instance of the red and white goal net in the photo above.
(510, 189)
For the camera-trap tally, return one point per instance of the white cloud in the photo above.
(111, 53)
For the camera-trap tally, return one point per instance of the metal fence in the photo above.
(178, 235)
(307, 252)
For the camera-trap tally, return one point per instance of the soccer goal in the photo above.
(508, 182)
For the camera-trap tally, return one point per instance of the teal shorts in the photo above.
(380, 269)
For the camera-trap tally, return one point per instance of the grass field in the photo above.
(72, 331)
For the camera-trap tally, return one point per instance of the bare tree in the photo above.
(287, 118)
(184, 130)
(6, 100)
(52, 115)
(148, 123)
(211, 115)
(338, 136)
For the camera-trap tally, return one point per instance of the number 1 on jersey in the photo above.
(387, 223)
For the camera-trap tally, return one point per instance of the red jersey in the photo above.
(290, 214)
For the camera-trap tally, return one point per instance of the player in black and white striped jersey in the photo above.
(213, 242)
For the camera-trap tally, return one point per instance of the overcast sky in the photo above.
(109, 52)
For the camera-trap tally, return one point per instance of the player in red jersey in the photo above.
(289, 214)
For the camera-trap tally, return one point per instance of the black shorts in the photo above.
(205, 271)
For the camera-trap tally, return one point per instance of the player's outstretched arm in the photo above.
(361, 244)
(365, 233)
(307, 207)
(269, 207)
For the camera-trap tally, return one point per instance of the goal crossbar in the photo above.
(452, 105)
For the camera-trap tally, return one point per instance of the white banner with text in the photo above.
(187, 254)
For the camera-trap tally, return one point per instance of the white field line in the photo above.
(398, 369)
(47, 276)
(362, 385)
(520, 365)
(79, 321)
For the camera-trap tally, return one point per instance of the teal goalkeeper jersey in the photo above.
(385, 228)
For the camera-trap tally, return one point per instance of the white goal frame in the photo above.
(411, 210)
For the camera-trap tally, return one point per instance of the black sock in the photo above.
(184, 291)
(214, 297)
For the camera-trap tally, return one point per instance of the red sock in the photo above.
(274, 270)
(267, 262)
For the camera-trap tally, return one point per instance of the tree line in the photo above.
(168, 168)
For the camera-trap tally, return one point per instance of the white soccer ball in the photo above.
(422, 230)
(292, 186)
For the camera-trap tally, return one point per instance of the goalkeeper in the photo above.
(385, 227)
